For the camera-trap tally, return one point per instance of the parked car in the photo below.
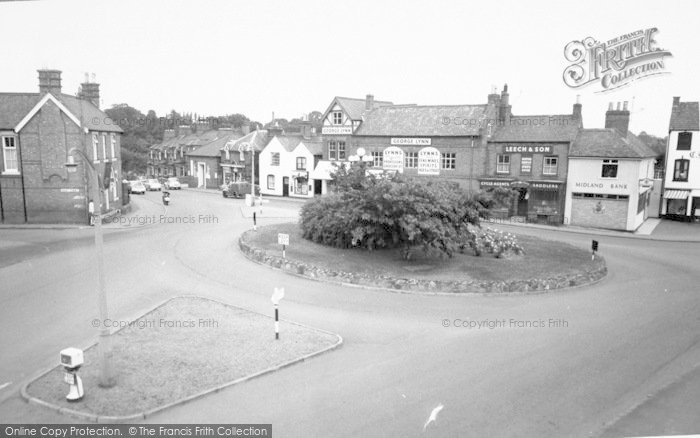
(238, 190)
(172, 183)
(153, 184)
(137, 187)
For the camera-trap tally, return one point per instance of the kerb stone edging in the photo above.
(408, 285)
(142, 415)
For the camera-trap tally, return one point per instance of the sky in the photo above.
(292, 57)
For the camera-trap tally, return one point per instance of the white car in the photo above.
(137, 187)
(153, 184)
(172, 184)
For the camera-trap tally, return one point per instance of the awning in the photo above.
(676, 194)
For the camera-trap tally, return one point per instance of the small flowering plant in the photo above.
(494, 242)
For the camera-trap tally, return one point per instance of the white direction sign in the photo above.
(283, 239)
(429, 161)
(277, 295)
(393, 159)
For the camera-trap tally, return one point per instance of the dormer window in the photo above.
(337, 117)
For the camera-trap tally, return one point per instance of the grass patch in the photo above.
(158, 363)
(542, 259)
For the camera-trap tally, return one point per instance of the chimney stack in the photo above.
(50, 81)
(369, 102)
(504, 107)
(577, 109)
(90, 91)
(618, 119)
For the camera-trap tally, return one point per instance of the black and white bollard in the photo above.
(72, 359)
(277, 295)
(594, 249)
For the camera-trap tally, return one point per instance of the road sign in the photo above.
(277, 295)
(282, 239)
(594, 245)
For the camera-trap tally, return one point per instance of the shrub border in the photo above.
(410, 285)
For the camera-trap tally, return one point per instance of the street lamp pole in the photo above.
(104, 345)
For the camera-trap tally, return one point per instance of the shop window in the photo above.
(526, 165)
(411, 160)
(684, 141)
(9, 153)
(271, 182)
(275, 160)
(337, 117)
(503, 164)
(550, 166)
(642, 202)
(301, 163)
(377, 159)
(680, 170)
(676, 206)
(609, 169)
(448, 160)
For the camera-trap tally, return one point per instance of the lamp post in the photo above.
(104, 345)
(360, 156)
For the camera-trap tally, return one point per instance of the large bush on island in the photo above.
(372, 212)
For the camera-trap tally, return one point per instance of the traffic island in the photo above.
(184, 349)
(546, 265)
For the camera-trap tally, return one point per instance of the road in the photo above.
(638, 328)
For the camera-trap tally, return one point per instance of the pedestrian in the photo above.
(91, 212)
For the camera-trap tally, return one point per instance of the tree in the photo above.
(396, 212)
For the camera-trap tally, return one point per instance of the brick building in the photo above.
(204, 162)
(530, 154)
(36, 131)
(610, 177)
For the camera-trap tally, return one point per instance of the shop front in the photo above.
(533, 201)
(682, 204)
(300, 184)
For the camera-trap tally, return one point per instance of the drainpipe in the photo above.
(21, 174)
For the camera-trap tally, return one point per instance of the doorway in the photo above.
(318, 187)
(285, 186)
(523, 196)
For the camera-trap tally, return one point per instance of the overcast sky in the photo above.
(292, 57)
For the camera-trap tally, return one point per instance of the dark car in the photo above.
(239, 190)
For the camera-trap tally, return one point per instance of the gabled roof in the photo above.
(685, 117)
(15, 108)
(258, 139)
(545, 128)
(425, 120)
(214, 147)
(609, 143)
(289, 143)
(354, 108)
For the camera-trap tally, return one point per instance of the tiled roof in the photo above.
(609, 143)
(315, 147)
(425, 120)
(546, 128)
(257, 138)
(355, 107)
(14, 106)
(288, 142)
(686, 117)
(213, 148)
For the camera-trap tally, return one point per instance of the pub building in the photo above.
(529, 154)
(610, 178)
(445, 142)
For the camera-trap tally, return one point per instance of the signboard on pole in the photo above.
(429, 161)
(277, 295)
(282, 239)
(393, 159)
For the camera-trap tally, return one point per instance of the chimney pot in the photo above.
(624, 106)
(676, 100)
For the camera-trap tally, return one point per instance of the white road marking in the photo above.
(5, 385)
(433, 416)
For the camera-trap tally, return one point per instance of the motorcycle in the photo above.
(166, 198)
